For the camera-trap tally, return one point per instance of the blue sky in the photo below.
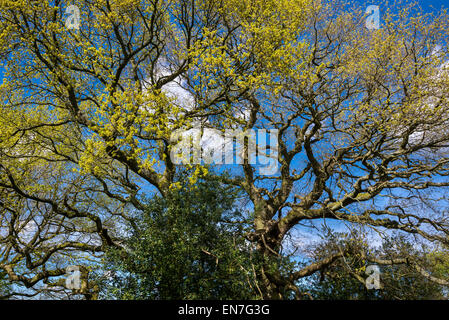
(426, 4)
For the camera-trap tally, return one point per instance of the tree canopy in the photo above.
(87, 117)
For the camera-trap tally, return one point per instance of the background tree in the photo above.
(187, 245)
(346, 278)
